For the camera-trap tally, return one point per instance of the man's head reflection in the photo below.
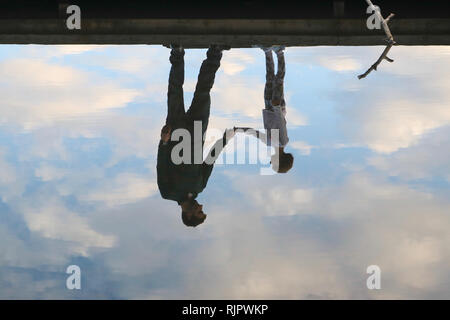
(192, 213)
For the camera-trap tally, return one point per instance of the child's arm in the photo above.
(214, 153)
(218, 146)
(250, 131)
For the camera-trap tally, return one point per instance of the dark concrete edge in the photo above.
(202, 41)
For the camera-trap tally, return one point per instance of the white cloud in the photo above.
(340, 63)
(56, 222)
(74, 49)
(391, 108)
(12, 182)
(58, 51)
(303, 147)
(36, 93)
(266, 237)
(272, 198)
(365, 220)
(428, 158)
(240, 95)
(404, 106)
(234, 62)
(125, 188)
(244, 96)
(48, 173)
(389, 126)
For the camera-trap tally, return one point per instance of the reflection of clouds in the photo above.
(36, 93)
(125, 188)
(48, 173)
(303, 147)
(428, 158)
(40, 51)
(56, 222)
(241, 95)
(386, 126)
(340, 63)
(11, 183)
(364, 221)
(83, 186)
(402, 230)
(395, 106)
(323, 254)
(274, 199)
(424, 62)
(12, 279)
(140, 61)
(75, 49)
(235, 61)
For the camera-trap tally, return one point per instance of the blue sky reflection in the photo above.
(79, 128)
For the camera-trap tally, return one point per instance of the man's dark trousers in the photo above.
(199, 110)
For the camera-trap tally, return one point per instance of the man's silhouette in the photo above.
(183, 182)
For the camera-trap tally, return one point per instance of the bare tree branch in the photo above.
(390, 40)
(375, 65)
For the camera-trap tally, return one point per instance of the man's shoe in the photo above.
(177, 47)
(278, 49)
(219, 47)
(263, 48)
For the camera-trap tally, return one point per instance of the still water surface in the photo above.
(79, 134)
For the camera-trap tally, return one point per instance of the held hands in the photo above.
(230, 133)
(165, 133)
(167, 130)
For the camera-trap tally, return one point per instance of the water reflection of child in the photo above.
(274, 113)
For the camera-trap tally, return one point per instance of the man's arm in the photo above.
(214, 153)
(163, 158)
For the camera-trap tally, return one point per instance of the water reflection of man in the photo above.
(183, 182)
